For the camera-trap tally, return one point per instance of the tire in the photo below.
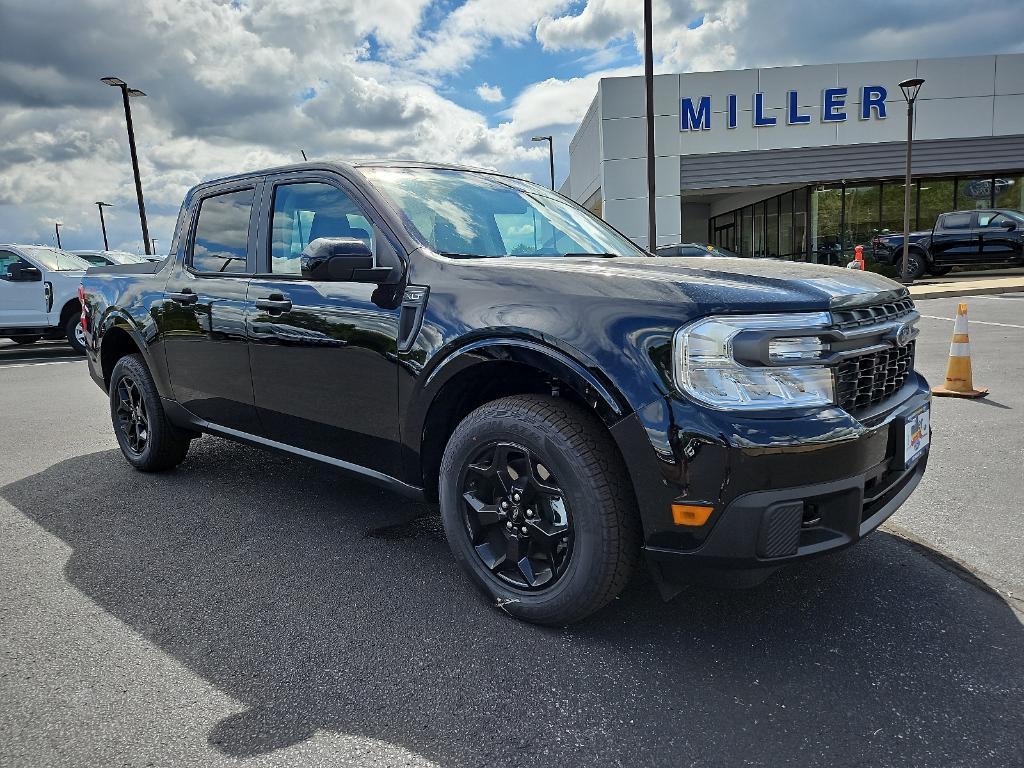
(585, 534)
(150, 443)
(75, 334)
(939, 271)
(918, 265)
(25, 340)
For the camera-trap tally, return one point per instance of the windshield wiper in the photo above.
(593, 255)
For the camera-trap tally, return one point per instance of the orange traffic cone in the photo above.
(958, 373)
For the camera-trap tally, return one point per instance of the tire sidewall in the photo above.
(71, 330)
(585, 563)
(916, 267)
(136, 369)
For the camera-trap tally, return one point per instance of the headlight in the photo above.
(706, 366)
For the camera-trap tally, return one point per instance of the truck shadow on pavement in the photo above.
(322, 602)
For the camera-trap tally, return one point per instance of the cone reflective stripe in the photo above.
(959, 379)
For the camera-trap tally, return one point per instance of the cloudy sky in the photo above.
(240, 84)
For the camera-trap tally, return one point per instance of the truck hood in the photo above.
(718, 284)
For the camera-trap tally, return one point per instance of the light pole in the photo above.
(56, 228)
(551, 154)
(910, 87)
(126, 92)
(652, 221)
(103, 225)
(155, 241)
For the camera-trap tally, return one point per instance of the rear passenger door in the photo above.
(324, 354)
(202, 315)
(955, 241)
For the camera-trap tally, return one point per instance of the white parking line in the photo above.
(976, 322)
(33, 365)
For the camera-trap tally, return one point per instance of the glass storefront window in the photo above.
(936, 196)
(861, 215)
(746, 231)
(973, 192)
(786, 224)
(826, 222)
(800, 223)
(892, 207)
(759, 229)
(1010, 192)
(772, 224)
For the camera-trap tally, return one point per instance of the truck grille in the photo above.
(844, 319)
(869, 379)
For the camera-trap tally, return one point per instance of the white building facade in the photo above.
(802, 162)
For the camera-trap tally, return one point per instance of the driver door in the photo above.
(22, 303)
(324, 354)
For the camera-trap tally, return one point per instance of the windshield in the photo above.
(467, 214)
(53, 260)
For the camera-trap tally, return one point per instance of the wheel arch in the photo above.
(119, 338)
(71, 307)
(487, 370)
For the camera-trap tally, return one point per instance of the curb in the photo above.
(961, 289)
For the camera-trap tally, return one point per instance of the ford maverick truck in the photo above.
(577, 406)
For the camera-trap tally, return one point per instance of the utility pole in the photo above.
(910, 88)
(125, 93)
(103, 224)
(652, 222)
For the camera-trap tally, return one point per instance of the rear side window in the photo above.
(222, 233)
(956, 221)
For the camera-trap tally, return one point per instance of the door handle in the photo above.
(274, 303)
(183, 297)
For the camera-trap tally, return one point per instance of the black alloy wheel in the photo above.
(131, 414)
(516, 516)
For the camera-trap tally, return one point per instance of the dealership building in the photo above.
(802, 162)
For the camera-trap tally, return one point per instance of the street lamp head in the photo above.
(541, 138)
(911, 87)
(115, 81)
(135, 92)
(101, 204)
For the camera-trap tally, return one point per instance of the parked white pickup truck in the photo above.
(39, 295)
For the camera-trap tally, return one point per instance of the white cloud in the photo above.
(490, 93)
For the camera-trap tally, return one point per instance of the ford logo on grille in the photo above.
(904, 334)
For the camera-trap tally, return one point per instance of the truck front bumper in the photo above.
(782, 489)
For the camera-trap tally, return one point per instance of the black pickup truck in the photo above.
(575, 404)
(982, 238)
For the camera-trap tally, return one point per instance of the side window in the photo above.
(956, 221)
(306, 211)
(222, 233)
(6, 259)
(985, 218)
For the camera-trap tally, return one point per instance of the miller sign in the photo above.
(695, 113)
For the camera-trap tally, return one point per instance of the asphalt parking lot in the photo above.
(254, 609)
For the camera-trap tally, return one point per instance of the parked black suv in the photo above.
(983, 238)
(572, 401)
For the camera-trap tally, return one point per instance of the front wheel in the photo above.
(148, 440)
(75, 334)
(538, 509)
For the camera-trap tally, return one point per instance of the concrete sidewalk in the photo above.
(968, 285)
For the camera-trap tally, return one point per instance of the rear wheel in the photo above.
(75, 334)
(538, 510)
(916, 265)
(148, 440)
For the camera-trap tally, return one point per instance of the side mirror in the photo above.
(23, 273)
(1010, 226)
(341, 259)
